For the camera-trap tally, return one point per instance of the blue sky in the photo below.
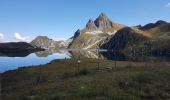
(57, 19)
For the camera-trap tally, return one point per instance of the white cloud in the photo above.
(18, 37)
(168, 4)
(1, 37)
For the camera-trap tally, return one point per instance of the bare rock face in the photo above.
(90, 26)
(43, 42)
(103, 23)
(46, 43)
(77, 33)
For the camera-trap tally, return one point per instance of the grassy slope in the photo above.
(157, 38)
(63, 80)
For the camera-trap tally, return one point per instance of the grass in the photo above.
(83, 71)
(60, 81)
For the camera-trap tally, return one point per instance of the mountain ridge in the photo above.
(94, 33)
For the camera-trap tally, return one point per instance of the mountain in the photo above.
(90, 26)
(153, 38)
(105, 24)
(124, 38)
(17, 47)
(94, 33)
(46, 43)
(153, 25)
(105, 34)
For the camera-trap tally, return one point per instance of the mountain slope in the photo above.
(123, 39)
(95, 33)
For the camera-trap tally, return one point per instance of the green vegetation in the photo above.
(59, 80)
(83, 71)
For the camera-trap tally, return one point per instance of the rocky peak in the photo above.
(77, 33)
(42, 41)
(103, 23)
(90, 26)
(103, 16)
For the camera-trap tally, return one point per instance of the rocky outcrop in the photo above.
(103, 23)
(90, 26)
(43, 42)
(46, 43)
(77, 33)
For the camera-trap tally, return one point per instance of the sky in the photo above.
(23, 20)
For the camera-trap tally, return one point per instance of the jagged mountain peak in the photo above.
(90, 26)
(103, 22)
(95, 32)
(77, 33)
(90, 20)
(102, 16)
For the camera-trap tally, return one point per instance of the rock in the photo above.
(43, 42)
(77, 33)
(46, 43)
(90, 26)
(103, 23)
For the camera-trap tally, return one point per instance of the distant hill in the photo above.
(17, 47)
(46, 43)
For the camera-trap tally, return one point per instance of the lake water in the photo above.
(11, 63)
(14, 61)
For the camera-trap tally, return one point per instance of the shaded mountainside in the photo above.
(11, 45)
(95, 33)
(123, 39)
(152, 39)
(17, 48)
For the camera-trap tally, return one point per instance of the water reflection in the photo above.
(12, 61)
(49, 52)
(15, 54)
